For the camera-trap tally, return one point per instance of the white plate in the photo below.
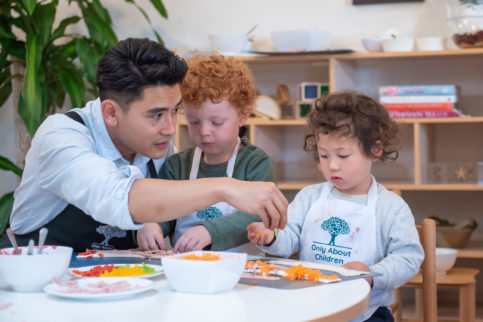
(159, 270)
(136, 285)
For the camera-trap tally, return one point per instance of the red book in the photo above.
(419, 106)
(423, 114)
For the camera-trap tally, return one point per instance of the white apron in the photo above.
(220, 209)
(338, 231)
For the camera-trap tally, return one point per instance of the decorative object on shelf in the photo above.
(453, 235)
(310, 91)
(302, 109)
(429, 43)
(266, 107)
(301, 40)
(285, 102)
(398, 44)
(465, 23)
(454, 172)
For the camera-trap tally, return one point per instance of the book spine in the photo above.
(423, 114)
(419, 99)
(418, 90)
(419, 106)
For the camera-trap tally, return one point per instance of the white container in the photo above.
(445, 259)
(429, 44)
(301, 40)
(204, 277)
(229, 43)
(372, 44)
(398, 44)
(30, 273)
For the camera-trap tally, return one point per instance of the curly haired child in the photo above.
(350, 219)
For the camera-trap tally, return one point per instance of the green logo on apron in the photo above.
(335, 227)
(209, 213)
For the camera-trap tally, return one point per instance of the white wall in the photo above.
(191, 21)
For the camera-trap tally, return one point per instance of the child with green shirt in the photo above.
(218, 96)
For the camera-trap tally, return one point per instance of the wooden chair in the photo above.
(461, 279)
(427, 275)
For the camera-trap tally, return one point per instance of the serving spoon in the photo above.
(11, 236)
(42, 236)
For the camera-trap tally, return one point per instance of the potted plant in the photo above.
(48, 63)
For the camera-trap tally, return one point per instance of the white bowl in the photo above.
(429, 43)
(445, 259)
(398, 44)
(372, 44)
(300, 40)
(229, 43)
(201, 276)
(30, 273)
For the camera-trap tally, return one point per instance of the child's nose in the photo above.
(204, 129)
(333, 164)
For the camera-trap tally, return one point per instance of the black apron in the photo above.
(73, 228)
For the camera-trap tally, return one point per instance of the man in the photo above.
(84, 177)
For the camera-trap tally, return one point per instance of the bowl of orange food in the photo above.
(204, 272)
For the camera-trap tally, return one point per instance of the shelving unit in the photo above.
(422, 140)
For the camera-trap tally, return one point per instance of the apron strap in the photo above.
(75, 116)
(152, 169)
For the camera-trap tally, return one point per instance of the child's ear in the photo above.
(377, 149)
(110, 112)
(242, 119)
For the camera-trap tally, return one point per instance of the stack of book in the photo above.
(420, 101)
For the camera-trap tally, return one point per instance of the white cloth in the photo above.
(72, 163)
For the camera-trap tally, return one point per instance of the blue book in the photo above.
(415, 90)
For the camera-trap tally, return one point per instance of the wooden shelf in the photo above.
(474, 249)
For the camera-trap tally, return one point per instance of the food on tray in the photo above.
(113, 270)
(125, 253)
(299, 272)
(203, 257)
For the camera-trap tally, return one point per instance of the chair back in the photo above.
(427, 236)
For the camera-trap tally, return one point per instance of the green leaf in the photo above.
(29, 5)
(158, 37)
(6, 30)
(6, 205)
(99, 30)
(31, 102)
(8, 165)
(158, 4)
(71, 80)
(60, 30)
(43, 19)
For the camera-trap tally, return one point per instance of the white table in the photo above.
(334, 302)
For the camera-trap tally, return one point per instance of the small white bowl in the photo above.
(429, 43)
(398, 44)
(445, 259)
(201, 276)
(229, 43)
(30, 273)
(372, 44)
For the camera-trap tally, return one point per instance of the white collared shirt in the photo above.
(72, 163)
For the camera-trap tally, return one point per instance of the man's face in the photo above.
(150, 122)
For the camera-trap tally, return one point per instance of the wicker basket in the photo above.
(452, 237)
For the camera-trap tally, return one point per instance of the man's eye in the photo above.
(176, 110)
(157, 116)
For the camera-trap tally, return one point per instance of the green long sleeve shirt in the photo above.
(252, 164)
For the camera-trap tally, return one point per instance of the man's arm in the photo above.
(155, 200)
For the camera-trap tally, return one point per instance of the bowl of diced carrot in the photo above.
(204, 272)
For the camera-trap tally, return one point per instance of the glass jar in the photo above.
(465, 21)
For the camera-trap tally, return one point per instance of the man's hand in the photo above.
(150, 237)
(259, 198)
(195, 238)
(360, 266)
(259, 235)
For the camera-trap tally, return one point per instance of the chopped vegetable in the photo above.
(203, 257)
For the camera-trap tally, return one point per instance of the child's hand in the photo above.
(259, 235)
(360, 266)
(195, 238)
(150, 237)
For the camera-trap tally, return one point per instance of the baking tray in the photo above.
(288, 284)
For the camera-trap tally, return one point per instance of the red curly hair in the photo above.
(217, 78)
